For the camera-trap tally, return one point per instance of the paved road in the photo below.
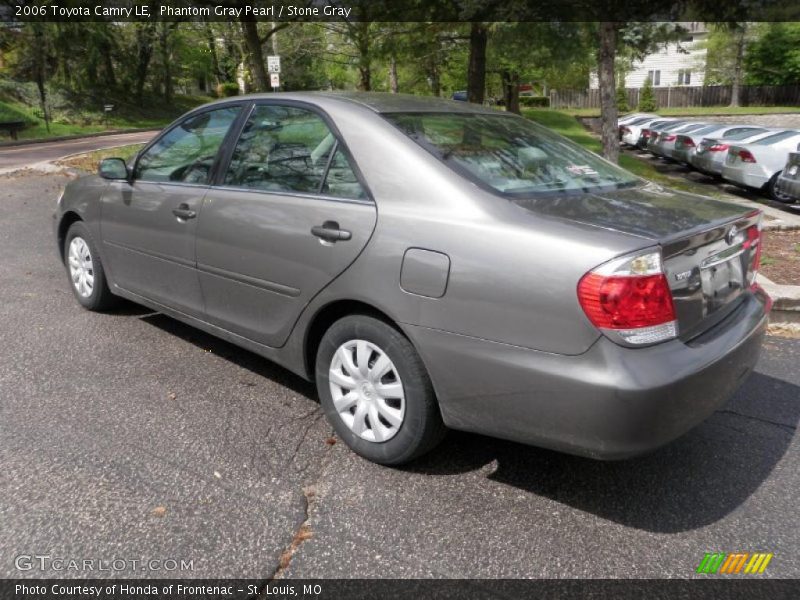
(19, 156)
(128, 435)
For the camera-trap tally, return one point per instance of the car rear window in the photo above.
(775, 138)
(509, 154)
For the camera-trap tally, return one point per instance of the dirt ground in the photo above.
(780, 257)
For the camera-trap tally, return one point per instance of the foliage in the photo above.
(622, 97)
(534, 101)
(774, 58)
(647, 98)
(227, 89)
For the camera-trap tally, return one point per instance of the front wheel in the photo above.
(86, 275)
(376, 392)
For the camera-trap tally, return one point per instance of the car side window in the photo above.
(288, 149)
(186, 153)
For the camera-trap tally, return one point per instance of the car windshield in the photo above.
(511, 155)
(707, 129)
(775, 138)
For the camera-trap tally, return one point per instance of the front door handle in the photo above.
(329, 232)
(184, 212)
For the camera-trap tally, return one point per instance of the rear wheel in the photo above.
(773, 187)
(86, 275)
(376, 392)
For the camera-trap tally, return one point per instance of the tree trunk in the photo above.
(608, 104)
(144, 52)
(510, 81)
(40, 61)
(255, 57)
(212, 50)
(476, 69)
(362, 42)
(393, 85)
(166, 63)
(738, 66)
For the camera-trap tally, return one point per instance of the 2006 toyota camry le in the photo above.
(432, 265)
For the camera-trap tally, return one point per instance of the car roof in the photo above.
(379, 102)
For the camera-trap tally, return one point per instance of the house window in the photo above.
(654, 77)
(684, 76)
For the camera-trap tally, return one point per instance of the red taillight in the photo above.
(718, 147)
(753, 243)
(746, 156)
(669, 138)
(645, 133)
(630, 300)
(626, 302)
(688, 142)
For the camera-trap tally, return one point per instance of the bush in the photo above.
(226, 90)
(622, 98)
(534, 101)
(647, 98)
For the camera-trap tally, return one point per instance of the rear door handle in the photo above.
(184, 212)
(329, 231)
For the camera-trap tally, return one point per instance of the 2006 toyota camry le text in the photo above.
(431, 265)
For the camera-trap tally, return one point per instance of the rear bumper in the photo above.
(744, 176)
(608, 403)
(705, 162)
(683, 155)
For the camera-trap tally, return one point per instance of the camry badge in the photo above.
(731, 235)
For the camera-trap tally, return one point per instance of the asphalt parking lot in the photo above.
(129, 435)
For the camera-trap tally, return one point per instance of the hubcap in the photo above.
(367, 391)
(81, 268)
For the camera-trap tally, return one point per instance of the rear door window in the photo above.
(290, 149)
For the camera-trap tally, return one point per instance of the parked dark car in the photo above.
(430, 264)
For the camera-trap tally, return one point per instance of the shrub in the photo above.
(534, 101)
(228, 89)
(622, 98)
(647, 98)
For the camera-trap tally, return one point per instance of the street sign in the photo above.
(274, 64)
(108, 107)
(275, 80)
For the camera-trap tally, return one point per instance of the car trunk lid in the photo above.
(708, 257)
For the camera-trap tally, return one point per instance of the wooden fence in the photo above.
(671, 97)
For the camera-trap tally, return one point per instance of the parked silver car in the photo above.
(789, 179)
(758, 164)
(686, 142)
(709, 157)
(665, 141)
(430, 264)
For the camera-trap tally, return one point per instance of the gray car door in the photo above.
(288, 215)
(148, 224)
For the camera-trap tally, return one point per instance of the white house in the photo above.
(670, 66)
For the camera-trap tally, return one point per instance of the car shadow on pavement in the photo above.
(690, 483)
(239, 356)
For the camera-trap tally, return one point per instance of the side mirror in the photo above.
(113, 168)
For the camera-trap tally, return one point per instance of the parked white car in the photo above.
(709, 156)
(629, 132)
(758, 164)
(633, 116)
(665, 141)
(686, 143)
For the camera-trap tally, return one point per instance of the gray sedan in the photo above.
(431, 265)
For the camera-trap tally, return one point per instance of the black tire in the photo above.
(100, 297)
(774, 190)
(421, 428)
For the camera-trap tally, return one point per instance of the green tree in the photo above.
(774, 58)
(647, 98)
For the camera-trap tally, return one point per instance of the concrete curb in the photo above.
(785, 298)
(66, 138)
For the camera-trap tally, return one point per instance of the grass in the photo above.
(90, 160)
(568, 126)
(695, 111)
(151, 114)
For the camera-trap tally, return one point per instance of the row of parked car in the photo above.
(749, 156)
